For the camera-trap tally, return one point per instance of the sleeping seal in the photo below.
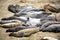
(52, 7)
(15, 29)
(10, 25)
(25, 32)
(23, 10)
(51, 26)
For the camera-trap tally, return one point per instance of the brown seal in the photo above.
(52, 8)
(10, 25)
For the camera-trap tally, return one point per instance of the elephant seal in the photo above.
(49, 38)
(9, 21)
(23, 10)
(52, 8)
(51, 26)
(25, 32)
(13, 8)
(18, 19)
(15, 29)
(18, 28)
(10, 25)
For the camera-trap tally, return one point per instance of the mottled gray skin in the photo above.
(14, 9)
(47, 22)
(17, 10)
(9, 21)
(23, 11)
(48, 18)
(39, 16)
(37, 13)
(15, 29)
(5, 20)
(25, 32)
(51, 26)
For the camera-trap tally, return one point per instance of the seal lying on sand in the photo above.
(26, 11)
(51, 23)
(46, 19)
(49, 38)
(51, 26)
(25, 32)
(21, 19)
(55, 17)
(34, 21)
(10, 23)
(15, 29)
(17, 10)
(13, 8)
(52, 8)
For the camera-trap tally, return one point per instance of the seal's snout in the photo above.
(11, 34)
(7, 30)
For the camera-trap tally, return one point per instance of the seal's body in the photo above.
(10, 25)
(15, 29)
(25, 32)
(52, 8)
(51, 26)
